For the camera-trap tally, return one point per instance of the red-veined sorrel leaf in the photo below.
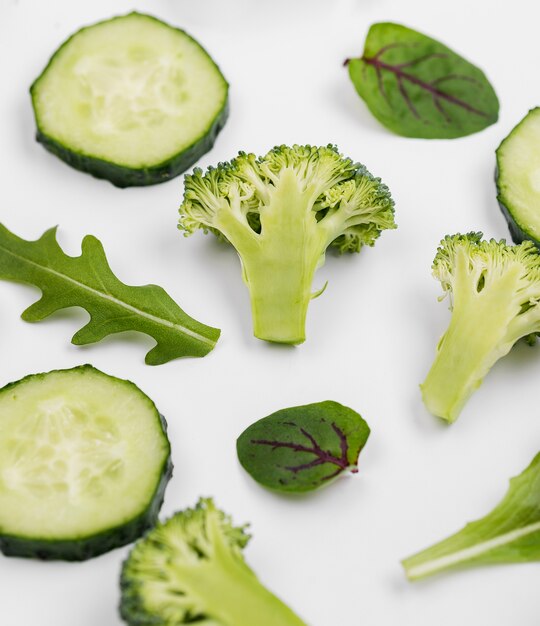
(303, 447)
(417, 87)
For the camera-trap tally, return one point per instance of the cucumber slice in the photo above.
(130, 99)
(518, 178)
(84, 462)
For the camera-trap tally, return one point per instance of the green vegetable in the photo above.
(87, 281)
(281, 212)
(302, 448)
(518, 183)
(130, 99)
(84, 462)
(494, 294)
(190, 570)
(509, 534)
(417, 87)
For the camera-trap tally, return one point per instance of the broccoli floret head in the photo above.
(191, 570)
(281, 212)
(494, 292)
(156, 587)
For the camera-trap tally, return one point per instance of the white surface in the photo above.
(333, 556)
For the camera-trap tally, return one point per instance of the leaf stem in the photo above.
(420, 565)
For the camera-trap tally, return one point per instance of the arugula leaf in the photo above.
(509, 534)
(88, 282)
(304, 447)
(417, 87)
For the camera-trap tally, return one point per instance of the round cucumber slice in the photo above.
(84, 462)
(518, 178)
(130, 99)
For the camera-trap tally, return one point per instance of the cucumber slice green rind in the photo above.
(122, 175)
(80, 546)
(521, 227)
(129, 177)
(90, 547)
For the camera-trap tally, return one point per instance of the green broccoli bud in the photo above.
(190, 570)
(494, 291)
(281, 212)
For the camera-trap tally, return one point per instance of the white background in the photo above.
(334, 555)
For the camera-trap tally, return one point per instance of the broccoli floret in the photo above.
(281, 212)
(494, 291)
(190, 570)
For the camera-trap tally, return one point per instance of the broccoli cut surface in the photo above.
(494, 291)
(281, 212)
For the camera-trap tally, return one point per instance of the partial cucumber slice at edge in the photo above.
(517, 178)
(80, 473)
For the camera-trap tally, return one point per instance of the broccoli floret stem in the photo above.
(280, 292)
(479, 334)
(280, 275)
(279, 300)
(241, 600)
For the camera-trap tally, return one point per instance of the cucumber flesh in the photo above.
(84, 460)
(518, 178)
(133, 93)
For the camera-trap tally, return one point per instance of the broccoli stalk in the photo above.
(494, 292)
(191, 570)
(281, 212)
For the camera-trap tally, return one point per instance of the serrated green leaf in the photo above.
(509, 534)
(87, 281)
(417, 87)
(304, 447)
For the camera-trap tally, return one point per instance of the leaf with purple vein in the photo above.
(303, 448)
(417, 87)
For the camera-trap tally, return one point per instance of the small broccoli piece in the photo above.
(281, 212)
(190, 570)
(494, 291)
